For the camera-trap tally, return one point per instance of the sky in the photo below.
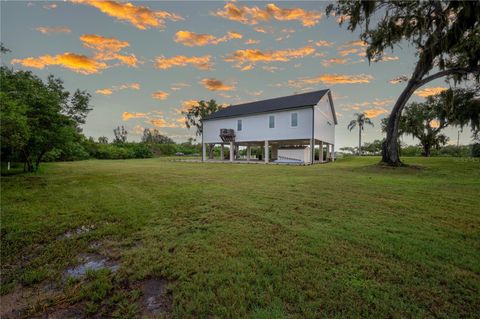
(145, 61)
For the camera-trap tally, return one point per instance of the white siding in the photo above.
(324, 121)
(255, 127)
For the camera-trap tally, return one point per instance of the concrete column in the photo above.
(312, 151)
(274, 151)
(333, 152)
(222, 152)
(231, 151)
(266, 152)
(204, 152)
(328, 152)
(320, 158)
(237, 151)
(249, 152)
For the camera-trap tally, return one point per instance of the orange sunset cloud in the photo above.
(49, 30)
(254, 15)
(332, 79)
(160, 95)
(371, 113)
(329, 62)
(426, 92)
(75, 62)
(107, 49)
(216, 85)
(200, 62)
(192, 39)
(127, 116)
(252, 56)
(139, 16)
(109, 91)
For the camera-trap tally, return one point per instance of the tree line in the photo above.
(41, 121)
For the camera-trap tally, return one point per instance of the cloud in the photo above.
(49, 30)
(323, 43)
(160, 95)
(200, 62)
(329, 62)
(75, 62)
(49, 6)
(435, 123)
(139, 16)
(109, 91)
(216, 85)
(254, 15)
(192, 39)
(399, 79)
(127, 116)
(186, 105)
(371, 113)
(264, 29)
(138, 130)
(426, 92)
(162, 123)
(332, 79)
(352, 47)
(107, 49)
(346, 52)
(252, 41)
(104, 91)
(252, 56)
(178, 86)
(386, 58)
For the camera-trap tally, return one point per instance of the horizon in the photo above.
(145, 62)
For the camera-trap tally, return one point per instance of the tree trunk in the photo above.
(426, 149)
(359, 140)
(210, 150)
(39, 159)
(390, 148)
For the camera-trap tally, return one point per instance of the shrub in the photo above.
(476, 150)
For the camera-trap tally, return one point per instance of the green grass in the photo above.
(349, 239)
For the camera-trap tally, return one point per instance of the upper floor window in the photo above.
(271, 121)
(294, 119)
(239, 125)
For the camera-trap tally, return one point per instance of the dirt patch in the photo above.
(73, 312)
(90, 262)
(156, 300)
(80, 230)
(24, 299)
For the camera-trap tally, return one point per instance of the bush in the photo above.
(476, 150)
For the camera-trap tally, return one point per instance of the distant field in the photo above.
(348, 239)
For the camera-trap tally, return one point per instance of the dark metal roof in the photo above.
(275, 104)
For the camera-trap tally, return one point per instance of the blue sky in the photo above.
(143, 62)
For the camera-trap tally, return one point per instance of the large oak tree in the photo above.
(446, 35)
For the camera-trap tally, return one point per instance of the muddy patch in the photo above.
(24, 299)
(156, 300)
(79, 231)
(90, 262)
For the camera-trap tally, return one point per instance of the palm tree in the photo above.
(360, 120)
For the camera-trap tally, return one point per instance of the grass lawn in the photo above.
(348, 239)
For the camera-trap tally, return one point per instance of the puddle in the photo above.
(91, 262)
(80, 230)
(156, 300)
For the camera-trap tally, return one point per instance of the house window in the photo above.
(271, 121)
(239, 125)
(294, 120)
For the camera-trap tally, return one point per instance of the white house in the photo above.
(286, 129)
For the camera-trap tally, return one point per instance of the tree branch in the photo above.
(445, 73)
